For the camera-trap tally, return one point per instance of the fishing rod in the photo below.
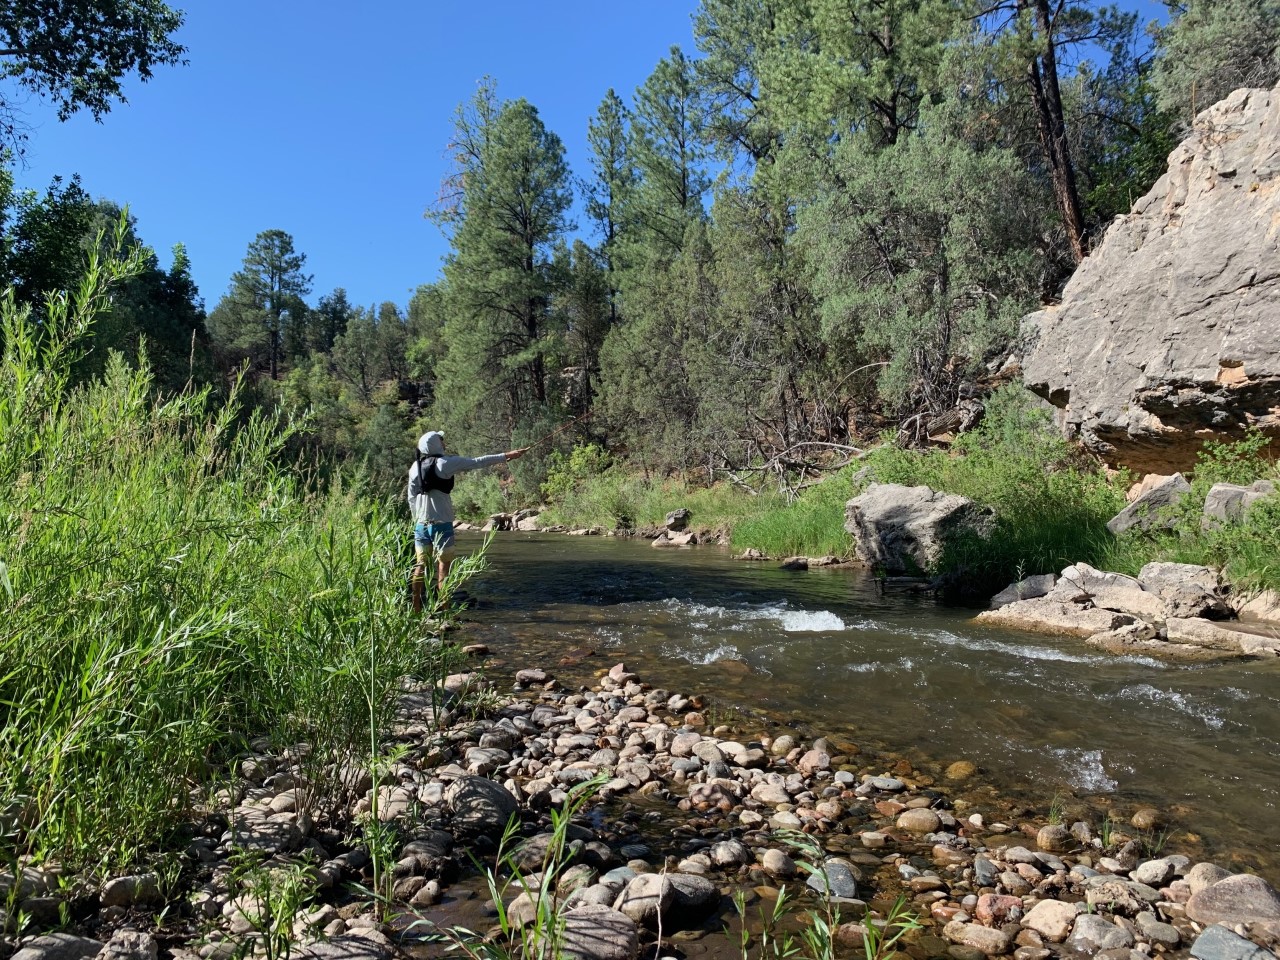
(558, 430)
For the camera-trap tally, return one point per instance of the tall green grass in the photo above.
(169, 591)
(1247, 550)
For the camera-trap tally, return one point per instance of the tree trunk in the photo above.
(1042, 81)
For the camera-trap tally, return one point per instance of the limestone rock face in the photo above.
(1167, 335)
(905, 529)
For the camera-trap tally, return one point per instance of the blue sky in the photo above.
(330, 120)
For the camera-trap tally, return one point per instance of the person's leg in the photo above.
(418, 578)
(442, 541)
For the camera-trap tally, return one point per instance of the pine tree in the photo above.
(499, 284)
(265, 299)
(610, 192)
(1211, 47)
(669, 156)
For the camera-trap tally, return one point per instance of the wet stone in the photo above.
(1054, 838)
(887, 784)
(730, 853)
(777, 864)
(693, 897)
(921, 820)
(837, 879)
(990, 942)
(1219, 943)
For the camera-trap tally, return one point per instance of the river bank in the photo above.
(681, 814)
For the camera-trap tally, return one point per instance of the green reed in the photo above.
(169, 590)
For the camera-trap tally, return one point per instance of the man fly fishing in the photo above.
(431, 478)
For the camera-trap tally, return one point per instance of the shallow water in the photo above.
(825, 650)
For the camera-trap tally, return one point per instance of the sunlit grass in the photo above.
(170, 591)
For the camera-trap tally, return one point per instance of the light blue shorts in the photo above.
(434, 538)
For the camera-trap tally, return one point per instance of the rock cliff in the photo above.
(1169, 333)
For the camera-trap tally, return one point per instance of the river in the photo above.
(824, 651)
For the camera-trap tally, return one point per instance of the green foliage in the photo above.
(564, 474)
(878, 938)
(611, 188)
(1211, 47)
(541, 934)
(77, 53)
(46, 242)
(271, 898)
(1246, 550)
(812, 525)
(501, 337)
(186, 592)
(480, 496)
(922, 252)
(832, 68)
(666, 143)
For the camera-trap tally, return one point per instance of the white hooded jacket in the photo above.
(436, 506)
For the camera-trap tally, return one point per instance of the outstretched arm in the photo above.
(448, 466)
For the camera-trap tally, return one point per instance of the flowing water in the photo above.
(824, 651)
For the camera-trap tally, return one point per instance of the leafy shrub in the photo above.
(565, 474)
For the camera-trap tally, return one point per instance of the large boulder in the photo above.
(1148, 510)
(1188, 590)
(1081, 583)
(1241, 898)
(905, 529)
(1046, 615)
(1228, 502)
(1166, 335)
(678, 520)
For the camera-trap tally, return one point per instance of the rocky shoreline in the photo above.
(689, 814)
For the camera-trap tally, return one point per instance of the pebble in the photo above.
(888, 824)
(777, 864)
(919, 821)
